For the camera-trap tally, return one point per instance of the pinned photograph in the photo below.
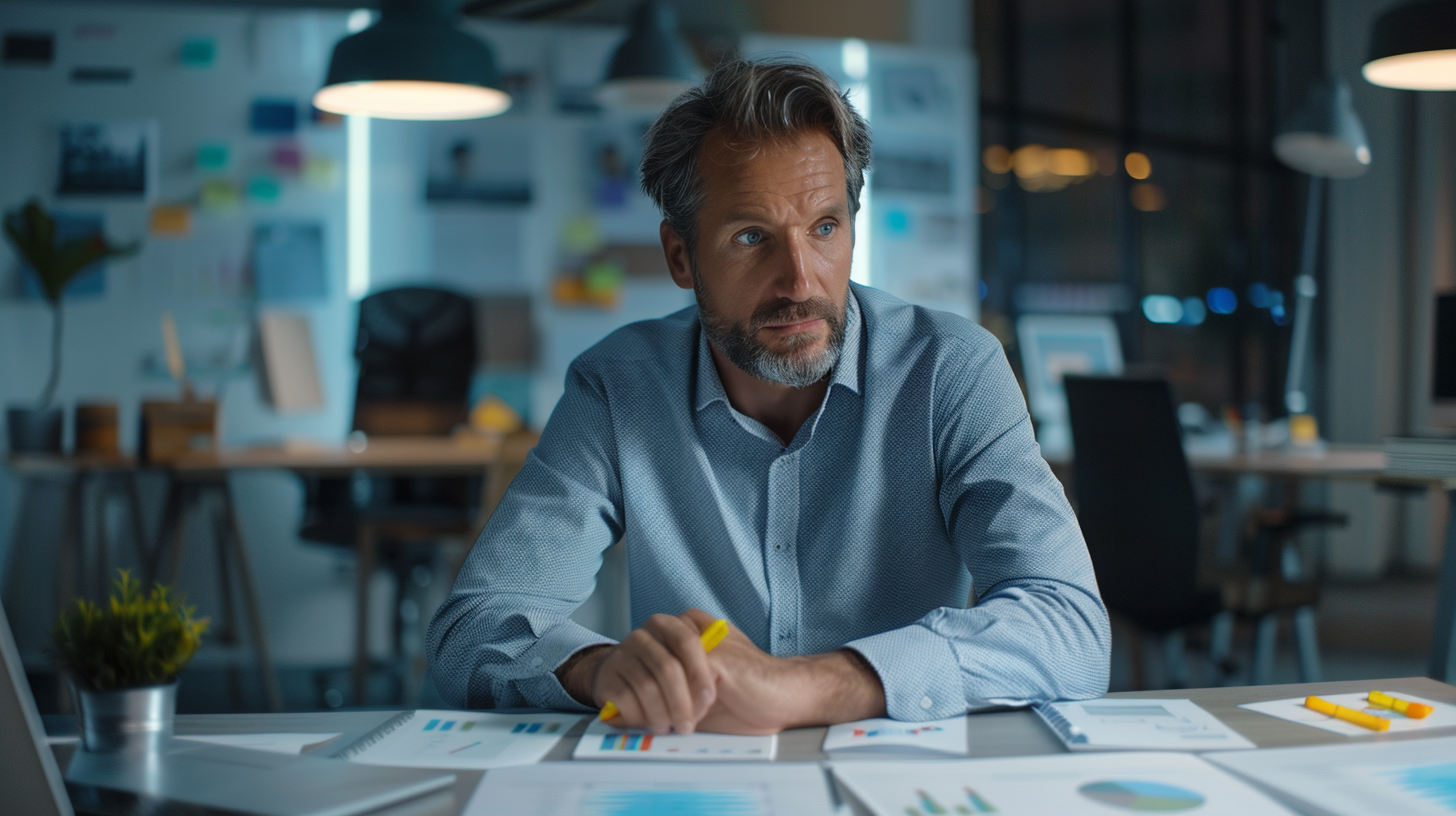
(108, 158)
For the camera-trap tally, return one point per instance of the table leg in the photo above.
(272, 694)
(1444, 629)
(103, 541)
(366, 545)
(169, 537)
(138, 521)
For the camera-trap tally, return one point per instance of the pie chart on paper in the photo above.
(1145, 797)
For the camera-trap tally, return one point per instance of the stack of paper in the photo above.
(1413, 456)
(1062, 784)
(1145, 725)
(1409, 777)
(889, 737)
(461, 739)
(605, 741)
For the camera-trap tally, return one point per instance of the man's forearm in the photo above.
(579, 670)
(840, 687)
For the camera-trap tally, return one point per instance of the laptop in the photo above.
(237, 780)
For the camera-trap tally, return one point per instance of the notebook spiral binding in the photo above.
(1069, 734)
(363, 744)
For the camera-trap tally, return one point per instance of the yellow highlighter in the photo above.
(710, 637)
(1416, 711)
(1349, 715)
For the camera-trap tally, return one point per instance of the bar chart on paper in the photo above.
(605, 741)
(654, 789)
(462, 739)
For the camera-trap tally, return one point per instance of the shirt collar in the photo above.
(709, 388)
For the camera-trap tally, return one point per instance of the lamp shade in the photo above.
(1413, 46)
(1324, 137)
(651, 66)
(413, 64)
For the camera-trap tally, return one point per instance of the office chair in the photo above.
(1141, 519)
(416, 353)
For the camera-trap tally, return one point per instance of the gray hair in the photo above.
(753, 101)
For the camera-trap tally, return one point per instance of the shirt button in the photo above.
(778, 546)
(535, 661)
(926, 702)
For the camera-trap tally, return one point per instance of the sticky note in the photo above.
(213, 157)
(264, 189)
(321, 172)
(198, 52)
(273, 116)
(287, 158)
(172, 220)
(219, 195)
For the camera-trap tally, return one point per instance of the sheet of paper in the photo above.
(468, 740)
(605, 741)
(599, 789)
(1063, 784)
(881, 736)
(275, 743)
(1144, 725)
(1293, 710)
(1409, 777)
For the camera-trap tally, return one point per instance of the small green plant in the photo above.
(32, 231)
(139, 640)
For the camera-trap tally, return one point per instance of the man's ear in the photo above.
(675, 250)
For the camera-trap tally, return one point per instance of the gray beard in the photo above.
(792, 368)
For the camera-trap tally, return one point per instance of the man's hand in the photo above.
(658, 676)
(661, 678)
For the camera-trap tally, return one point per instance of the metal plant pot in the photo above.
(126, 719)
(34, 430)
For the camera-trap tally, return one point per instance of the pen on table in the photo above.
(1349, 715)
(710, 637)
(1416, 711)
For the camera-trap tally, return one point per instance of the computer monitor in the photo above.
(1056, 345)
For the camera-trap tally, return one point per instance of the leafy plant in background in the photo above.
(137, 640)
(32, 231)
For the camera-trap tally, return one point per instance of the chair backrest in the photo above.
(416, 353)
(1135, 497)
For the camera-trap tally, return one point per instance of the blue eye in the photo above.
(750, 238)
(825, 229)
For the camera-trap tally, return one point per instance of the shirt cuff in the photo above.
(549, 653)
(919, 671)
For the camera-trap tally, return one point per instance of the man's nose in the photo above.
(793, 274)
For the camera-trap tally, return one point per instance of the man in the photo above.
(824, 466)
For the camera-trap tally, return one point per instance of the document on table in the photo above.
(599, 789)
(1140, 725)
(460, 739)
(1063, 784)
(881, 737)
(1293, 709)
(1413, 777)
(274, 743)
(605, 741)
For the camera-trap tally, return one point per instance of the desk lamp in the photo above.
(1324, 138)
(651, 66)
(1413, 47)
(413, 64)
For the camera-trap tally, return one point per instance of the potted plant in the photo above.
(32, 231)
(122, 661)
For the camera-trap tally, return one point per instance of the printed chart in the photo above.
(466, 739)
(605, 741)
(877, 736)
(1435, 784)
(1105, 783)
(654, 789)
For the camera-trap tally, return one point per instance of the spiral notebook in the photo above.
(1139, 725)
(467, 740)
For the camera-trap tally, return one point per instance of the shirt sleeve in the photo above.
(506, 628)
(1039, 630)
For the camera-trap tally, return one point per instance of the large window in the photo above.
(1126, 154)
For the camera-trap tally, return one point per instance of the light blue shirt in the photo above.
(917, 476)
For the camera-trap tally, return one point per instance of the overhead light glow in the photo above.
(1194, 312)
(997, 159)
(1258, 295)
(1138, 165)
(1162, 309)
(1222, 300)
(358, 20)
(1425, 71)
(412, 99)
(854, 58)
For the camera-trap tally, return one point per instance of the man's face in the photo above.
(771, 271)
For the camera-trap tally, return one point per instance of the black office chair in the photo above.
(416, 353)
(1140, 515)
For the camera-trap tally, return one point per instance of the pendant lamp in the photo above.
(1413, 47)
(413, 63)
(652, 66)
